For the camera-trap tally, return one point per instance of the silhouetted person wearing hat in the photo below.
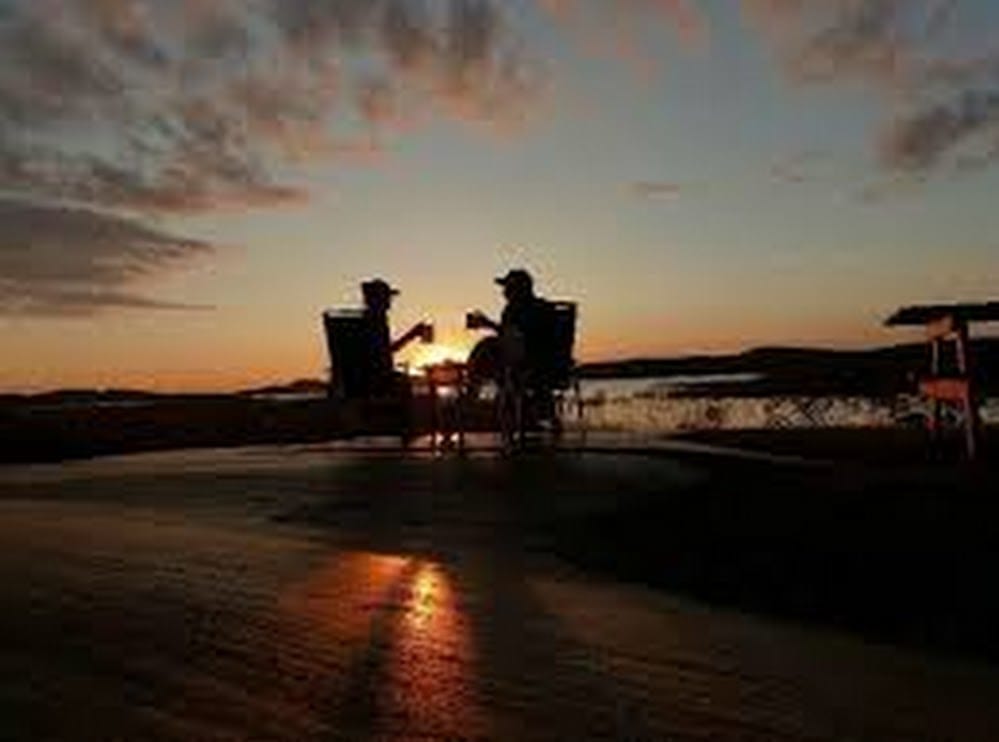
(522, 334)
(362, 372)
(378, 295)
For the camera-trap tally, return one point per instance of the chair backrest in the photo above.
(562, 339)
(351, 346)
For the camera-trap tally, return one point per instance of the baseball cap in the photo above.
(378, 287)
(516, 276)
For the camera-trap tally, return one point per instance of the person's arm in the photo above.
(415, 332)
(482, 321)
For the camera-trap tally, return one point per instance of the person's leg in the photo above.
(484, 364)
(515, 385)
(402, 395)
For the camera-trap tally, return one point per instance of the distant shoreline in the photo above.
(878, 372)
(43, 434)
(73, 424)
(875, 372)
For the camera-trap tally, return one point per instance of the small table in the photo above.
(949, 323)
(448, 382)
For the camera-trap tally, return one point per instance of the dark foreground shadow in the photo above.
(903, 555)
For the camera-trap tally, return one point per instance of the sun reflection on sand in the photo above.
(414, 666)
(338, 598)
(432, 669)
(425, 594)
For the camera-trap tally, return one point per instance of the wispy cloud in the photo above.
(916, 143)
(684, 17)
(186, 105)
(840, 40)
(162, 107)
(73, 261)
(145, 107)
(800, 167)
(941, 106)
(622, 29)
(656, 189)
(194, 105)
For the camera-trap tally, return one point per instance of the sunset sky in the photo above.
(187, 184)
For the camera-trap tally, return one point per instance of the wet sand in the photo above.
(307, 593)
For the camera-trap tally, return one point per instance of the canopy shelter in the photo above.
(926, 314)
(952, 383)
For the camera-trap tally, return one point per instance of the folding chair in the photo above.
(362, 378)
(541, 391)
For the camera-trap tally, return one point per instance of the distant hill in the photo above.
(299, 386)
(874, 372)
(84, 397)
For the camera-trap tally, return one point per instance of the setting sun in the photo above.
(435, 353)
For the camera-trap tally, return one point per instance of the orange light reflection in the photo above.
(432, 674)
(404, 617)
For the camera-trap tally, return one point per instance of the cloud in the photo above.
(882, 44)
(656, 189)
(916, 143)
(858, 40)
(191, 105)
(682, 16)
(937, 103)
(184, 106)
(113, 112)
(195, 105)
(117, 111)
(690, 24)
(72, 261)
(801, 167)
(625, 29)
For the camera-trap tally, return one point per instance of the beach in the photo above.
(315, 592)
(488, 370)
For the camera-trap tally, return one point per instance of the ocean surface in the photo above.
(672, 404)
(659, 405)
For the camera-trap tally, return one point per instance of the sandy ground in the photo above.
(304, 593)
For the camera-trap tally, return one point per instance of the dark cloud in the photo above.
(801, 167)
(54, 302)
(656, 189)
(938, 103)
(186, 105)
(57, 260)
(860, 40)
(891, 46)
(625, 20)
(146, 107)
(937, 95)
(916, 143)
(192, 105)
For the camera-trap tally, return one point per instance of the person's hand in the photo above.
(476, 320)
(425, 331)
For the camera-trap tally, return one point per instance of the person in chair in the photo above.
(518, 351)
(378, 295)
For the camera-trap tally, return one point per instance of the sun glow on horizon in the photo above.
(433, 354)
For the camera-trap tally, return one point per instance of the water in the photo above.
(663, 405)
(655, 405)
